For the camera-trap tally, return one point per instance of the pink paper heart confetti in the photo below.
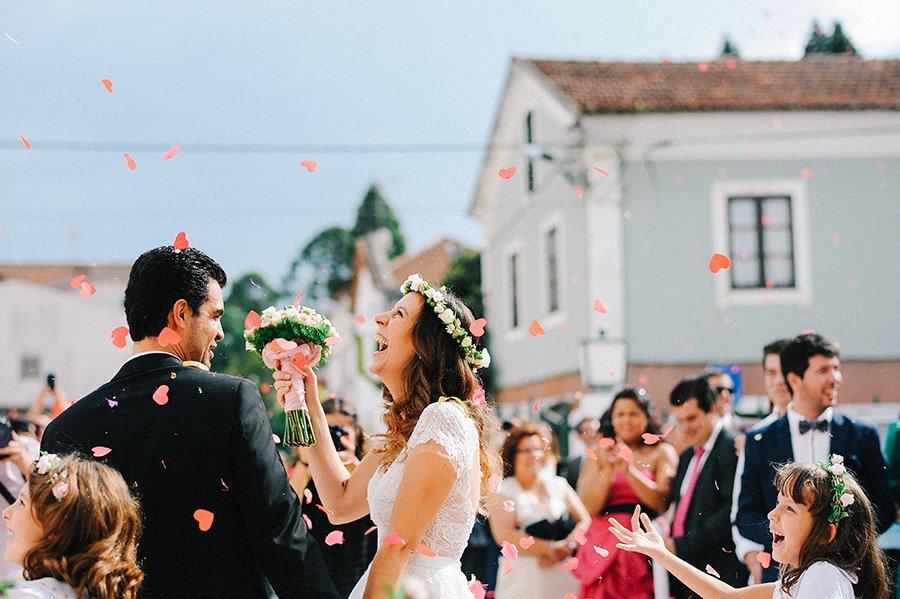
(171, 152)
(204, 519)
(335, 537)
(168, 337)
(599, 306)
(100, 451)
(161, 395)
(601, 551)
(393, 539)
(310, 165)
(526, 542)
(87, 290)
(76, 282)
(507, 173)
(509, 551)
(477, 327)
(509, 505)
(571, 564)
(129, 161)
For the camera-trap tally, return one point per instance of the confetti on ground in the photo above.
(599, 306)
(107, 84)
(764, 558)
(718, 262)
(507, 173)
(509, 551)
(171, 152)
(310, 165)
(204, 518)
(100, 451)
(393, 539)
(335, 537)
(130, 161)
(168, 337)
(526, 542)
(477, 327)
(26, 142)
(76, 282)
(601, 551)
(601, 171)
(571, 564)
(711, 570)
(535, 329)
(87, 290)
(509, 505)
(181, 241)
(161, 395)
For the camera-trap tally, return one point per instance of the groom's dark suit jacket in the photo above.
(210, 447)
(769, 447)
(707, 530)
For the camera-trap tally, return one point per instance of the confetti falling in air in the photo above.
(599, 306)
(507, 173)
(181, 241)
(307, 495)
(253, 320)
(509, 551)
(204, 519)
(569, 596)
(308, 521)
(477, 588)
(606, 442)
(509, 505)
(601, 171)
(100, 451)
(370, 530)
(325, 509)
(507, 568)
(807, 173)
(26, 142)
(76, 282)
(601, 551)
(495, 483)
(310, 165)
(537, 406)
(297, 299)
(161, 395)
(526, 542)
(224, 486)
(590, 453)
(10, 38)
(265, 388)
(477, 327)
(330, 341)
(711, 570)
(579, 536)
(393, 539)
(571, 564)
(171, 152)
(651, 439)
(112, 403)
(107, 84)
(764, 558)
(478, 397)
(360, 319)
(718, 262)
(535, 329)
(130, 161)
(703, 67)
(168, 337)
(335, 537)
(423, 549)
(87, 290)
(626, 454)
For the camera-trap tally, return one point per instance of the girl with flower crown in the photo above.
(824, 536)
(426, 479)
(74, 529)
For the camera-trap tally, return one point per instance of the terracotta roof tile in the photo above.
(821, 83)
(433, 262)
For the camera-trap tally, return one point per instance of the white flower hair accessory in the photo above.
(435, 298)
(841, 499)
(47, 464)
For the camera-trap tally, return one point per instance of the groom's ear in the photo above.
(178, 314)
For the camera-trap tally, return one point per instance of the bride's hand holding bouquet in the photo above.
(293, 341)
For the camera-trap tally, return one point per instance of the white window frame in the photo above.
(796, 189)
(557, 317)
(516, 248)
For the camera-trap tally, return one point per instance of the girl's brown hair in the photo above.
(90, 532)
(854, 547)
(438, 368)
(511, 445)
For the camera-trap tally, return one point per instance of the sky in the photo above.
(402, 95)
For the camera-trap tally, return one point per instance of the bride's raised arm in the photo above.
(342, 493)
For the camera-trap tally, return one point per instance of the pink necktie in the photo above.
(685, 501)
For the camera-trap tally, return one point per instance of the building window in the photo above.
(514, 290)
(761, 242)
(30, 368)
(529, 140)
(552, 271)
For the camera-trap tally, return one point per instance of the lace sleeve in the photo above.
(443, 429)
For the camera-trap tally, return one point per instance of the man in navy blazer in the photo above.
(810, 431)
(220, 518)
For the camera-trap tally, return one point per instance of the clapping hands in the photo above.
(640, 539)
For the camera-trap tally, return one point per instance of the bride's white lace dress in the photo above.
(443, 429)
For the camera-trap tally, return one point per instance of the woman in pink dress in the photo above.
(629, 470)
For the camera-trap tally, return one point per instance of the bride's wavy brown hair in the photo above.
(90, 535)
(438, 368)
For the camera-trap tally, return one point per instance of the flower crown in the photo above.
(434, 298)
(46, 464)
(842, 499)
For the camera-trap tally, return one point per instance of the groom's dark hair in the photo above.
(159, 278)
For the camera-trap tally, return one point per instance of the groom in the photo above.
(219, 515)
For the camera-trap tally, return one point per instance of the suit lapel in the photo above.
(780, 446)
(841, 434)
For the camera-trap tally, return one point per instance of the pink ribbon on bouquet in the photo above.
(284, 355)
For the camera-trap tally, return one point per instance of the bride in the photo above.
(428, 476)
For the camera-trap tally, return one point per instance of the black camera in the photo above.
(51, 381)
(338, 432)
(6, 431)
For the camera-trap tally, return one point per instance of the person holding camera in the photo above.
(346, 561)
(17, 453)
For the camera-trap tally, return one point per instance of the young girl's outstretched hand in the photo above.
(639, 539)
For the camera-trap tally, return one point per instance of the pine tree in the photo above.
(729, 50)
(375, 213)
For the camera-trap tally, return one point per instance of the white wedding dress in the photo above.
(443, 429)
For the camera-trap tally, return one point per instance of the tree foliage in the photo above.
(836, 43)
(374, 213)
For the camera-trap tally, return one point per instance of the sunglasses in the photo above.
(723, 389)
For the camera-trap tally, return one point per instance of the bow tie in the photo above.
(808, 425)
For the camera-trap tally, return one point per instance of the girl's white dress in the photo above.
(443, 429)
(821, 580)
(42, 588)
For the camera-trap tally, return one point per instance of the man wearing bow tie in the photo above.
(809, 432)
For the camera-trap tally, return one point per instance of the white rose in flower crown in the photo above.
(467, 342)
(485, 358)
(837, 459)
(847, 499)
(430, 293)
(447, 316)
(838, 470)
(45, 463)
(450, 329)
(438, 309)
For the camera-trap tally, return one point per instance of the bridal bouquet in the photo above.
(288, 340)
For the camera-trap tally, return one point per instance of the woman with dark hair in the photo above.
(545, 520)
(345, 561)
(633, 469)
(426, 479)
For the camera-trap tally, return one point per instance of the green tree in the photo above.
(836, 43)
(464, 279)
(375, 213)
(729, 50)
